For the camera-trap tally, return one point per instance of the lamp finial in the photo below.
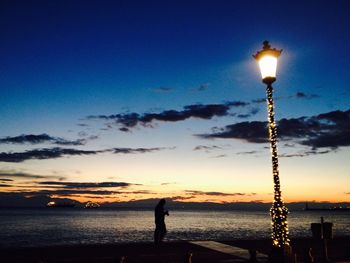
(266, 45)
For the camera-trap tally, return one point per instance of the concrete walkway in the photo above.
(168, 252)
(230, 250)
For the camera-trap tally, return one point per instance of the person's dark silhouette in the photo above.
(159, 215)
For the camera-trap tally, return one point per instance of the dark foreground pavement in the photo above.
(169, 252)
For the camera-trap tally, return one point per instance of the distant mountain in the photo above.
(249, 206)
(20, 200)
(178, 205)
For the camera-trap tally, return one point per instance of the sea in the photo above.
(51, 227)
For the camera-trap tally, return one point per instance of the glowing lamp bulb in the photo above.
(268, 66)
(267, 59)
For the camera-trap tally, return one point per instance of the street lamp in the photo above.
(267, 59)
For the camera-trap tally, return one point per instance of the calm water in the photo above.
(47, 227)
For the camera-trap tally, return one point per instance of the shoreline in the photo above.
(169, 251)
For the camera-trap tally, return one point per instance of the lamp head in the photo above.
(267, 59)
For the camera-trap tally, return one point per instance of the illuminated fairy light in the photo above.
(267, 59)
(278, 211)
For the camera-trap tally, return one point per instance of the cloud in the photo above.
(83, 125)
(194, 111)
(248, 152)
(258, 101)
(220, 156)
(40, 138)
(82, 134)
(180, 198)
(68, 192)
(302, 95)
(52, 153)
(327, 130)
(252, 112)
(203, 87)
(297, 95)
(195, 192)
(79, 192)
(40, 154)
(289, 145)
(168, 183)
(237, 103)
(84, 184)
(60, 188)
(138, 150)
(5, 185)
(123, 129)
(304, 153)
(243, 116)
(5, 180)
(163, 89)
(206, 148)
(18, 174)
(139, 192)
(254, 131)
(198, 111)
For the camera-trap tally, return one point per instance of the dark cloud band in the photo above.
(84, 184)
(328, 130)
(52, 153)
(196, 192)
(198, 111)
(24, 175)
(40, 138)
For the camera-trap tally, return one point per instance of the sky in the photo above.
(125, 100)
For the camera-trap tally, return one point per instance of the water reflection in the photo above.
(34, 227)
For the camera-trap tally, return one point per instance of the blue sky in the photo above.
(75, 70)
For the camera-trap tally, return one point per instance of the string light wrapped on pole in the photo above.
(267, 59)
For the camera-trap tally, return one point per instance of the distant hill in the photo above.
(19, 200)
(249, 206)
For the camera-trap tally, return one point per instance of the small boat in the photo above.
(59, 204)
(90, 205)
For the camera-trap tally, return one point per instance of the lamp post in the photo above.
(267, 59)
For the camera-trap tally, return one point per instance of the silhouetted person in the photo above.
(159, 215)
